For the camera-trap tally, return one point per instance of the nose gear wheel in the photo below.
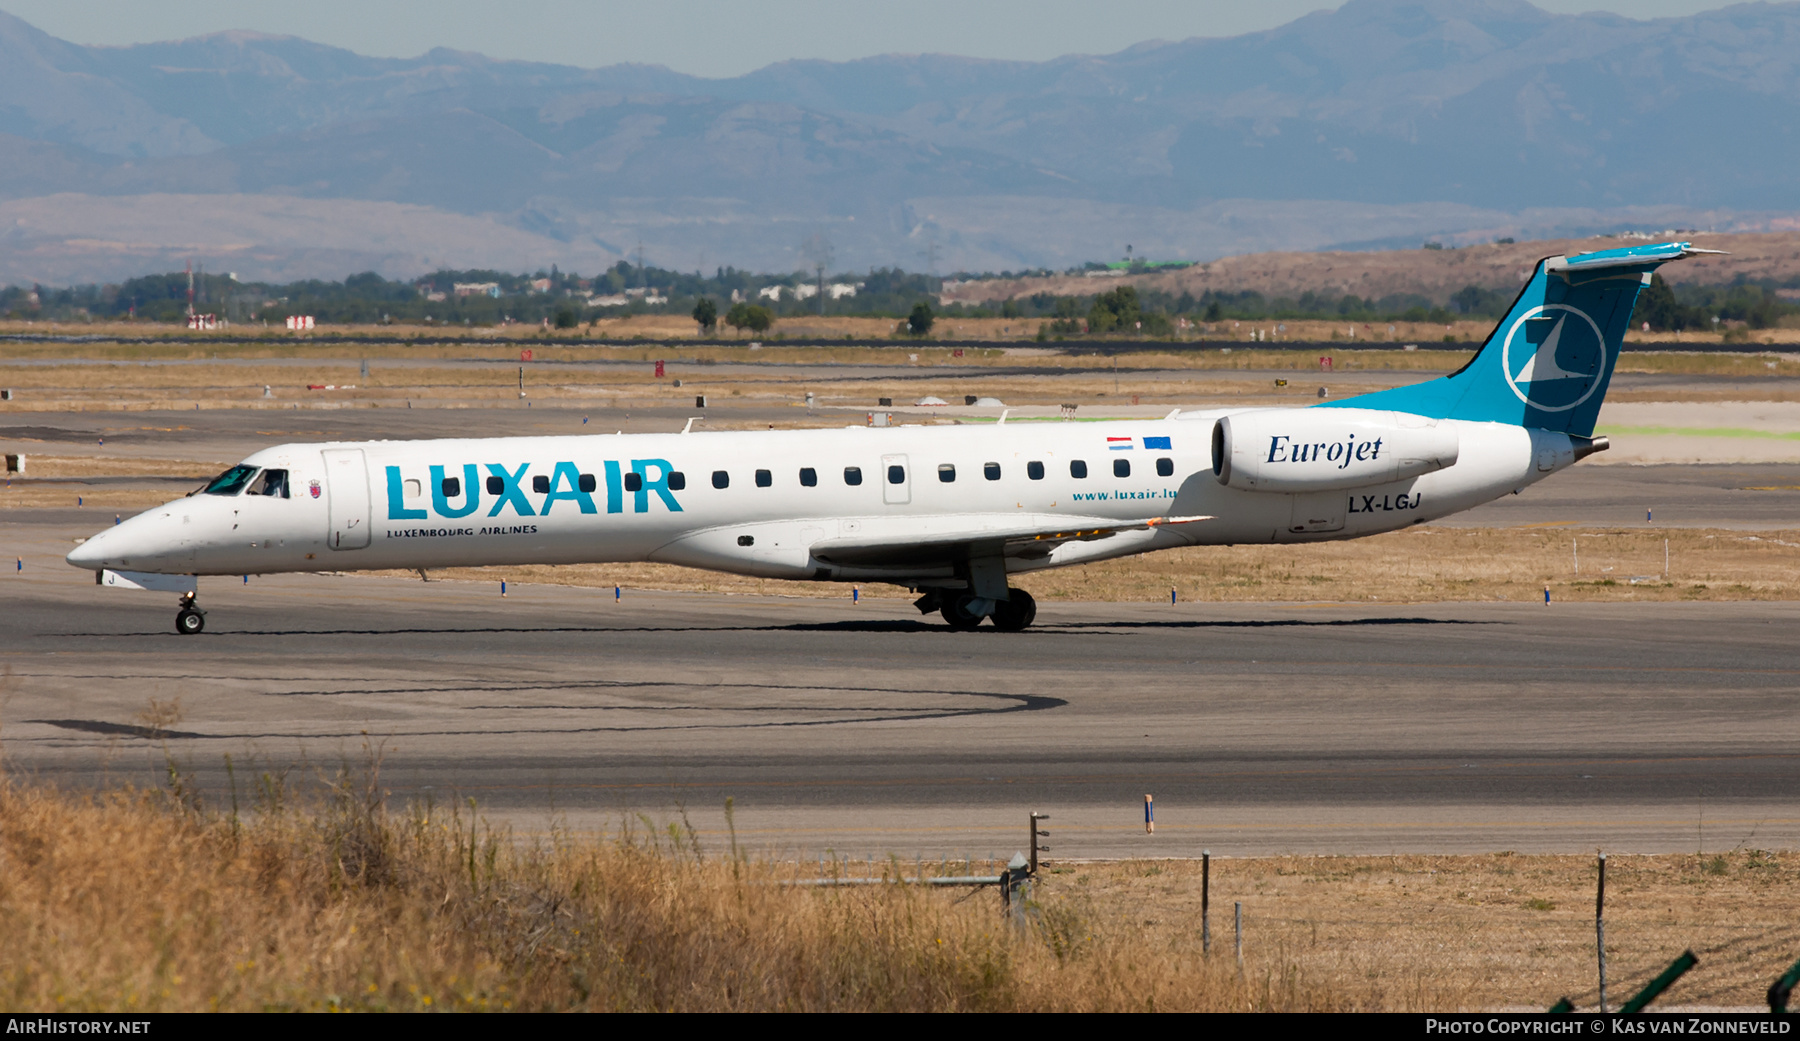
(190, 619)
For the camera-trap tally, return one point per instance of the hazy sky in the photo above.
(709, 37)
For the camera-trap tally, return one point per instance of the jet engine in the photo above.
(1326, 449)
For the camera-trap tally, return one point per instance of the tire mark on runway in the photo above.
(1009, 703)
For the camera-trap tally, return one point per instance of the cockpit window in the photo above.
(275, 483)
(231, 481)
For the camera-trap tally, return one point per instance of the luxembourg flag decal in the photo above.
(1119, 444)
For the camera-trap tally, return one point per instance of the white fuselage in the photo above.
(653, 497)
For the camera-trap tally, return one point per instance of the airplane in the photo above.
(950, 513)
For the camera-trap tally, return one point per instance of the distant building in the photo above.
(477, 289)
(613, 300)
(538, 285)
(769, 293)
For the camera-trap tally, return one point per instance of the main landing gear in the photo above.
(190, 619)
(964, 611)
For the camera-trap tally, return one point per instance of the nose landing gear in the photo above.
(190, 619)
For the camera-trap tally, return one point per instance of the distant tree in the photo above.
(565, 318)
(749, 316)
(1009, 309)
(1155, 323)
(1657, 306)
(1118, 309)
(1214, 313)
(707, 314)
(919, 322)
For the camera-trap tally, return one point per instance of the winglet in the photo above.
(1172, 414)
(690, 424)
(1003, 414)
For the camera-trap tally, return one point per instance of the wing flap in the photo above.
(1034, 536)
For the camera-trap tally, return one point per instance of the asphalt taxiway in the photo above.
(867, 730)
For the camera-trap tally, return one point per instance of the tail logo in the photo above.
(1552, 363)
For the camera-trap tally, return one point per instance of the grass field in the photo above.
(139, 901)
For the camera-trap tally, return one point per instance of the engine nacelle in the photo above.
(1325, 449)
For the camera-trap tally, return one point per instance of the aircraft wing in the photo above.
(934, 540)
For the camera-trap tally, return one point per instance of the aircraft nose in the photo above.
(90, 554)
(135, 541)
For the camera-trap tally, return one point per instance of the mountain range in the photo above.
(1380, 123)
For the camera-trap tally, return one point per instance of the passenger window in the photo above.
(231, 481)
(764, 478)
(1121, 468)
(896, 474)
(496, 486)
(746, 540)
(853, 475)
(275, 483)
(586, 482)
(946, 472)
(1034, 470)
(721, 479)
(991, 471)
(452, 487)
(540, 484)
(677, 481)
(1078, 469)
(1165, 467)
(809, 477)
(634, 482)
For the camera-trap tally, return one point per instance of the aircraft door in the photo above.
(1318, 511)
(896, 480)
(347, 488)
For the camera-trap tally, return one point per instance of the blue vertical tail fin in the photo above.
(1547, 364)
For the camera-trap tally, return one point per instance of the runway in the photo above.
(867, 731)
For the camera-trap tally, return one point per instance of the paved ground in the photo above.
(865, 730)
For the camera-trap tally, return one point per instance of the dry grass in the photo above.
(1424, 564)
(139, 901)
(131, 376)
(65, 466)
(1494, 931)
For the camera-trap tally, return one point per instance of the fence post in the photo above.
(1205, 902)
(1015, 888)
(1238, 943)
(1600, 929)
(1036, 848)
